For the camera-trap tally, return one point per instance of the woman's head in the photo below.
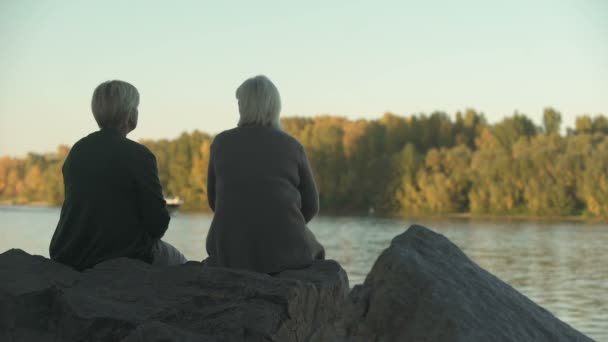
(259, 102)
(114, 105)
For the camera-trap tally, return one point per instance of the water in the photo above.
(561, 266)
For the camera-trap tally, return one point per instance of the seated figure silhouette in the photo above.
(261, 189)
(114, 205)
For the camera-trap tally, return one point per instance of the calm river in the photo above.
(561, 266)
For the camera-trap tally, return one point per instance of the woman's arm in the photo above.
(211, 181)
(308, 189)
(151, 202)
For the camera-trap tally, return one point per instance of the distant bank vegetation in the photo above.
(415, 165)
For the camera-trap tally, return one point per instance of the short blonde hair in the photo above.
(259, 102)
(114, 104)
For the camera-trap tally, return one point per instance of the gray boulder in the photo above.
(424, 288)
(128, 300)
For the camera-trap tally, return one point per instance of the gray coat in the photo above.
(263, 193)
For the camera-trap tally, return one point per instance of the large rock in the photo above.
(424, 288)
(128, 300)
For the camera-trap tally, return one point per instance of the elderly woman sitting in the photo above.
(261, 188)
(114, 205)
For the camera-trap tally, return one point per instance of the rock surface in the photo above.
(424, 288)
(128, 300)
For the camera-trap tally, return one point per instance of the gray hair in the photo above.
(259, 102)
(114, 105)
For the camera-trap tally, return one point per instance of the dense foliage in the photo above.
(421, 164)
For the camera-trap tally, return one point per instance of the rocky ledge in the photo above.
(422, 288)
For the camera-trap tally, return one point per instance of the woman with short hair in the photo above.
(114, 205)
(261, 189)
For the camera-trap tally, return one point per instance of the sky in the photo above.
(351, 58)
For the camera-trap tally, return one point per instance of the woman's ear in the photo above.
(132, 120)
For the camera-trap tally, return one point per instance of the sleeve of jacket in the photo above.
(308, 188)
(151, 201)
(211, 180)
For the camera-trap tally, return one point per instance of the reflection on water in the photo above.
(561, 266)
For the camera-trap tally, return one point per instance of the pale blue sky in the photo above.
(352, 58)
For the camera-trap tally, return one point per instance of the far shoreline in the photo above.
(431, 217)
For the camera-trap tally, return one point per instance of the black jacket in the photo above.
(263, 193)
(113, 207)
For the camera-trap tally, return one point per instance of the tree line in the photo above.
(395, 165)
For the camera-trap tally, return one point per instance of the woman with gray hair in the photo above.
(262, 190)
(114, 205)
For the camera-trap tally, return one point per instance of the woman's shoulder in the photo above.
(254, 133)
(137, 152)
(290, 139)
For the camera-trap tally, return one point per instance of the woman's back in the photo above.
(110, 210)
(263, 194)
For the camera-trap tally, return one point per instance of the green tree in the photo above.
(594, 187)
(510, 129)
(552, 121)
